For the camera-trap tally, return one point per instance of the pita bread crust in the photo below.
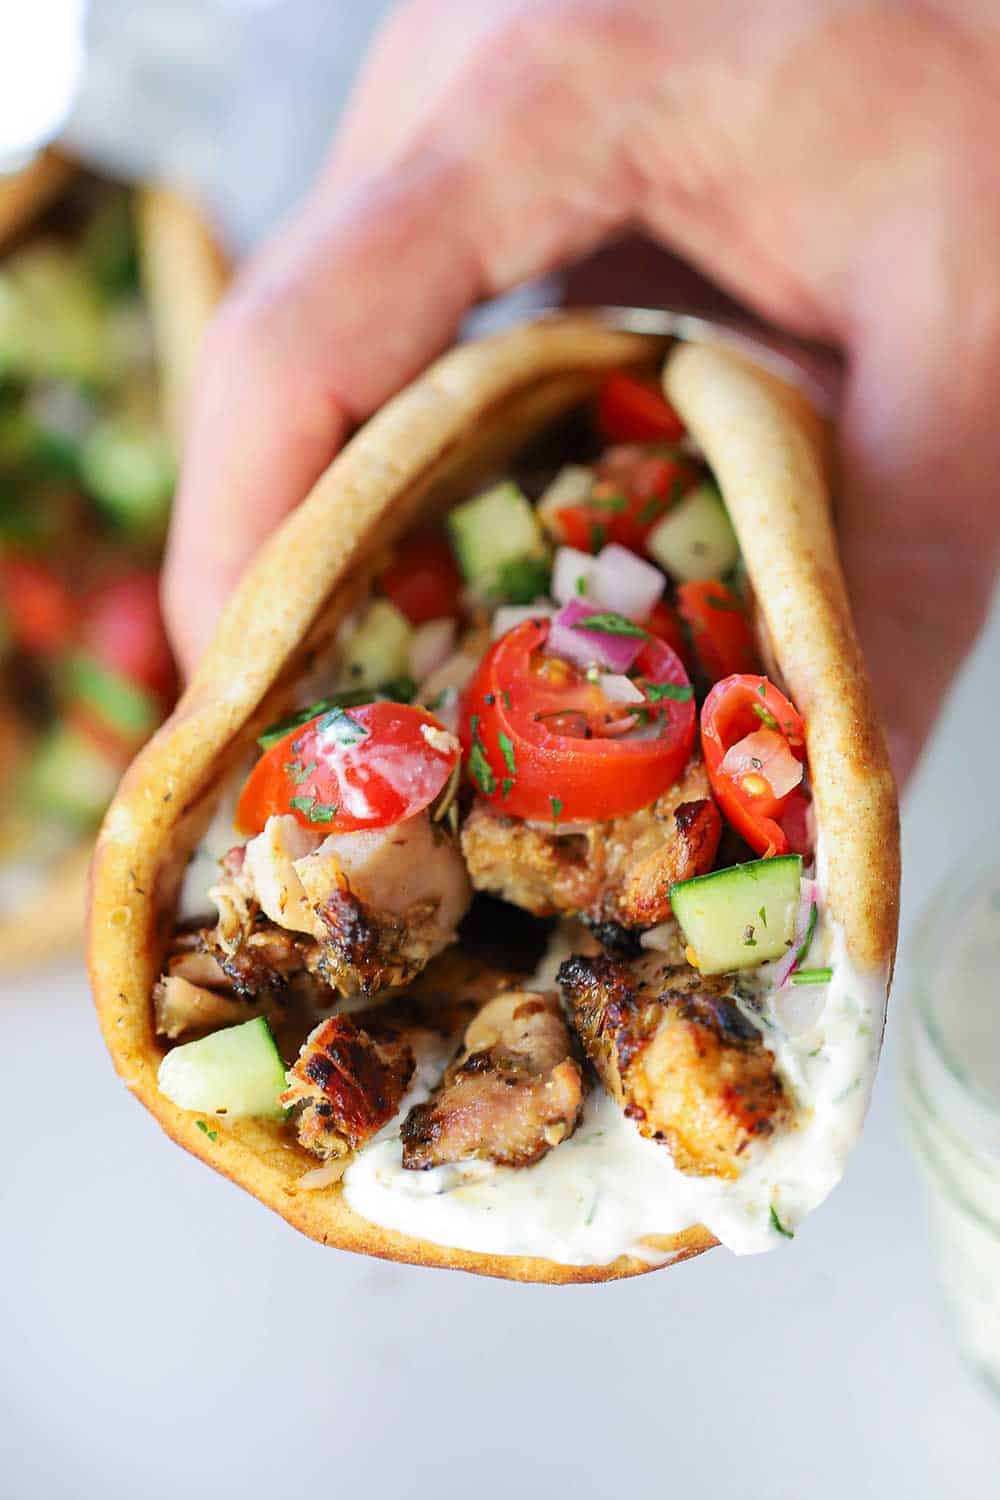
(479, 402)
(770, 455)
(184, 276)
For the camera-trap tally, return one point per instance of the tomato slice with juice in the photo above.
(633, 410)
(349, 769)
(749, 710)
(541, 740)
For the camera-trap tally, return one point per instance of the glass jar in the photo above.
(951, 1100)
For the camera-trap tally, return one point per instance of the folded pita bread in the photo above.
(466, 415)
(184, 274)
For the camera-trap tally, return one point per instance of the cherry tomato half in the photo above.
(633, 489)
(38, 607)
(630, 410)
(542, 741)
(720, 630)
(366, 767)
(423, 580)
(735, 708)
(123, 629)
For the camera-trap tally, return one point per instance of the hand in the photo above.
(833, 167)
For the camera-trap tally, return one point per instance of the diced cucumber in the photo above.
(127, 466)
(695, 540)
(379, 648)
(234, 1072)
(571, 486)
(124, 706)
(51, 317)
(70, 777)
(499, 544)
(740, 917)
(109, 247)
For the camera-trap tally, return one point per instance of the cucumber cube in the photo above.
(234, 1072)
(695, 540)
(740, 917)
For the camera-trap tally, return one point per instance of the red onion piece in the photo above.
(569, 567)
(784, 967)
(627, 584)
(764, 753)
(589, 647)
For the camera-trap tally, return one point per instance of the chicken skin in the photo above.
(619, 872)
(513, 1092)
(680, 1057)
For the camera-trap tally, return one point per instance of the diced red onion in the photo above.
(569, 566)
(626, 584)
(431, 644)
(589, 647)
(764, 753)
(510, 615)
(784, 966)
(620, 689)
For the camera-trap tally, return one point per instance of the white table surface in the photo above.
(164, 1335)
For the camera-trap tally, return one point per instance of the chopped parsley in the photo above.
(315, 811)
(341, 728)
(614, 503)
(297, 773)
(763, 915)
(812, 976)
(213, 1135)
(776, 1224)
(612, 624)
(507, 751)
(764, 715)
(598, 536)
(557, 808)
(809, 935)
(676, 692)
(651, 510)
(505, 787)
(581, 584)
(399, 690)
(480, 769)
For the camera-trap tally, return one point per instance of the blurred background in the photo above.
(165, 1334)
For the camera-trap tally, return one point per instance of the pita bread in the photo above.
(184, 275)
(467, 414)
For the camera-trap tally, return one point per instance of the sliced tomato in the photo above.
(366, 767)
(39, 608)
(423, 580)
(541, 740)
(736, 708)
(633, 488)
(123, 630)
(720, 629)
(796, 822)
(631, 410)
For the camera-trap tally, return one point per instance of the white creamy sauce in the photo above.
(599, 1194)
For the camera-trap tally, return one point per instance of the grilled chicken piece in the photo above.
(194, 993)
(513, 1092)
(349, 1079)
(364, 911)
(619, 872)
(680, 1057)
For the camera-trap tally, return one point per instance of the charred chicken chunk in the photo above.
(349, 1079)
(680, 1057)
(513, 1092)
(616, 872)
(363, 910)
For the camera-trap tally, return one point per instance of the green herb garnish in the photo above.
(612, 625)
(341, 728)
(614, 503)
(812, 976)
(776, 1223)
(810, 929)
(507, 751)
(676, 692)
(505, 787)
(581, 584)
(316, 812)
(557, 808)
(763, 915)
(764, 715)
(212, 1134)
(297, 773)
(479, 767)
(733, 606)
(598, 536)
(651, 510)
(398, 690)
